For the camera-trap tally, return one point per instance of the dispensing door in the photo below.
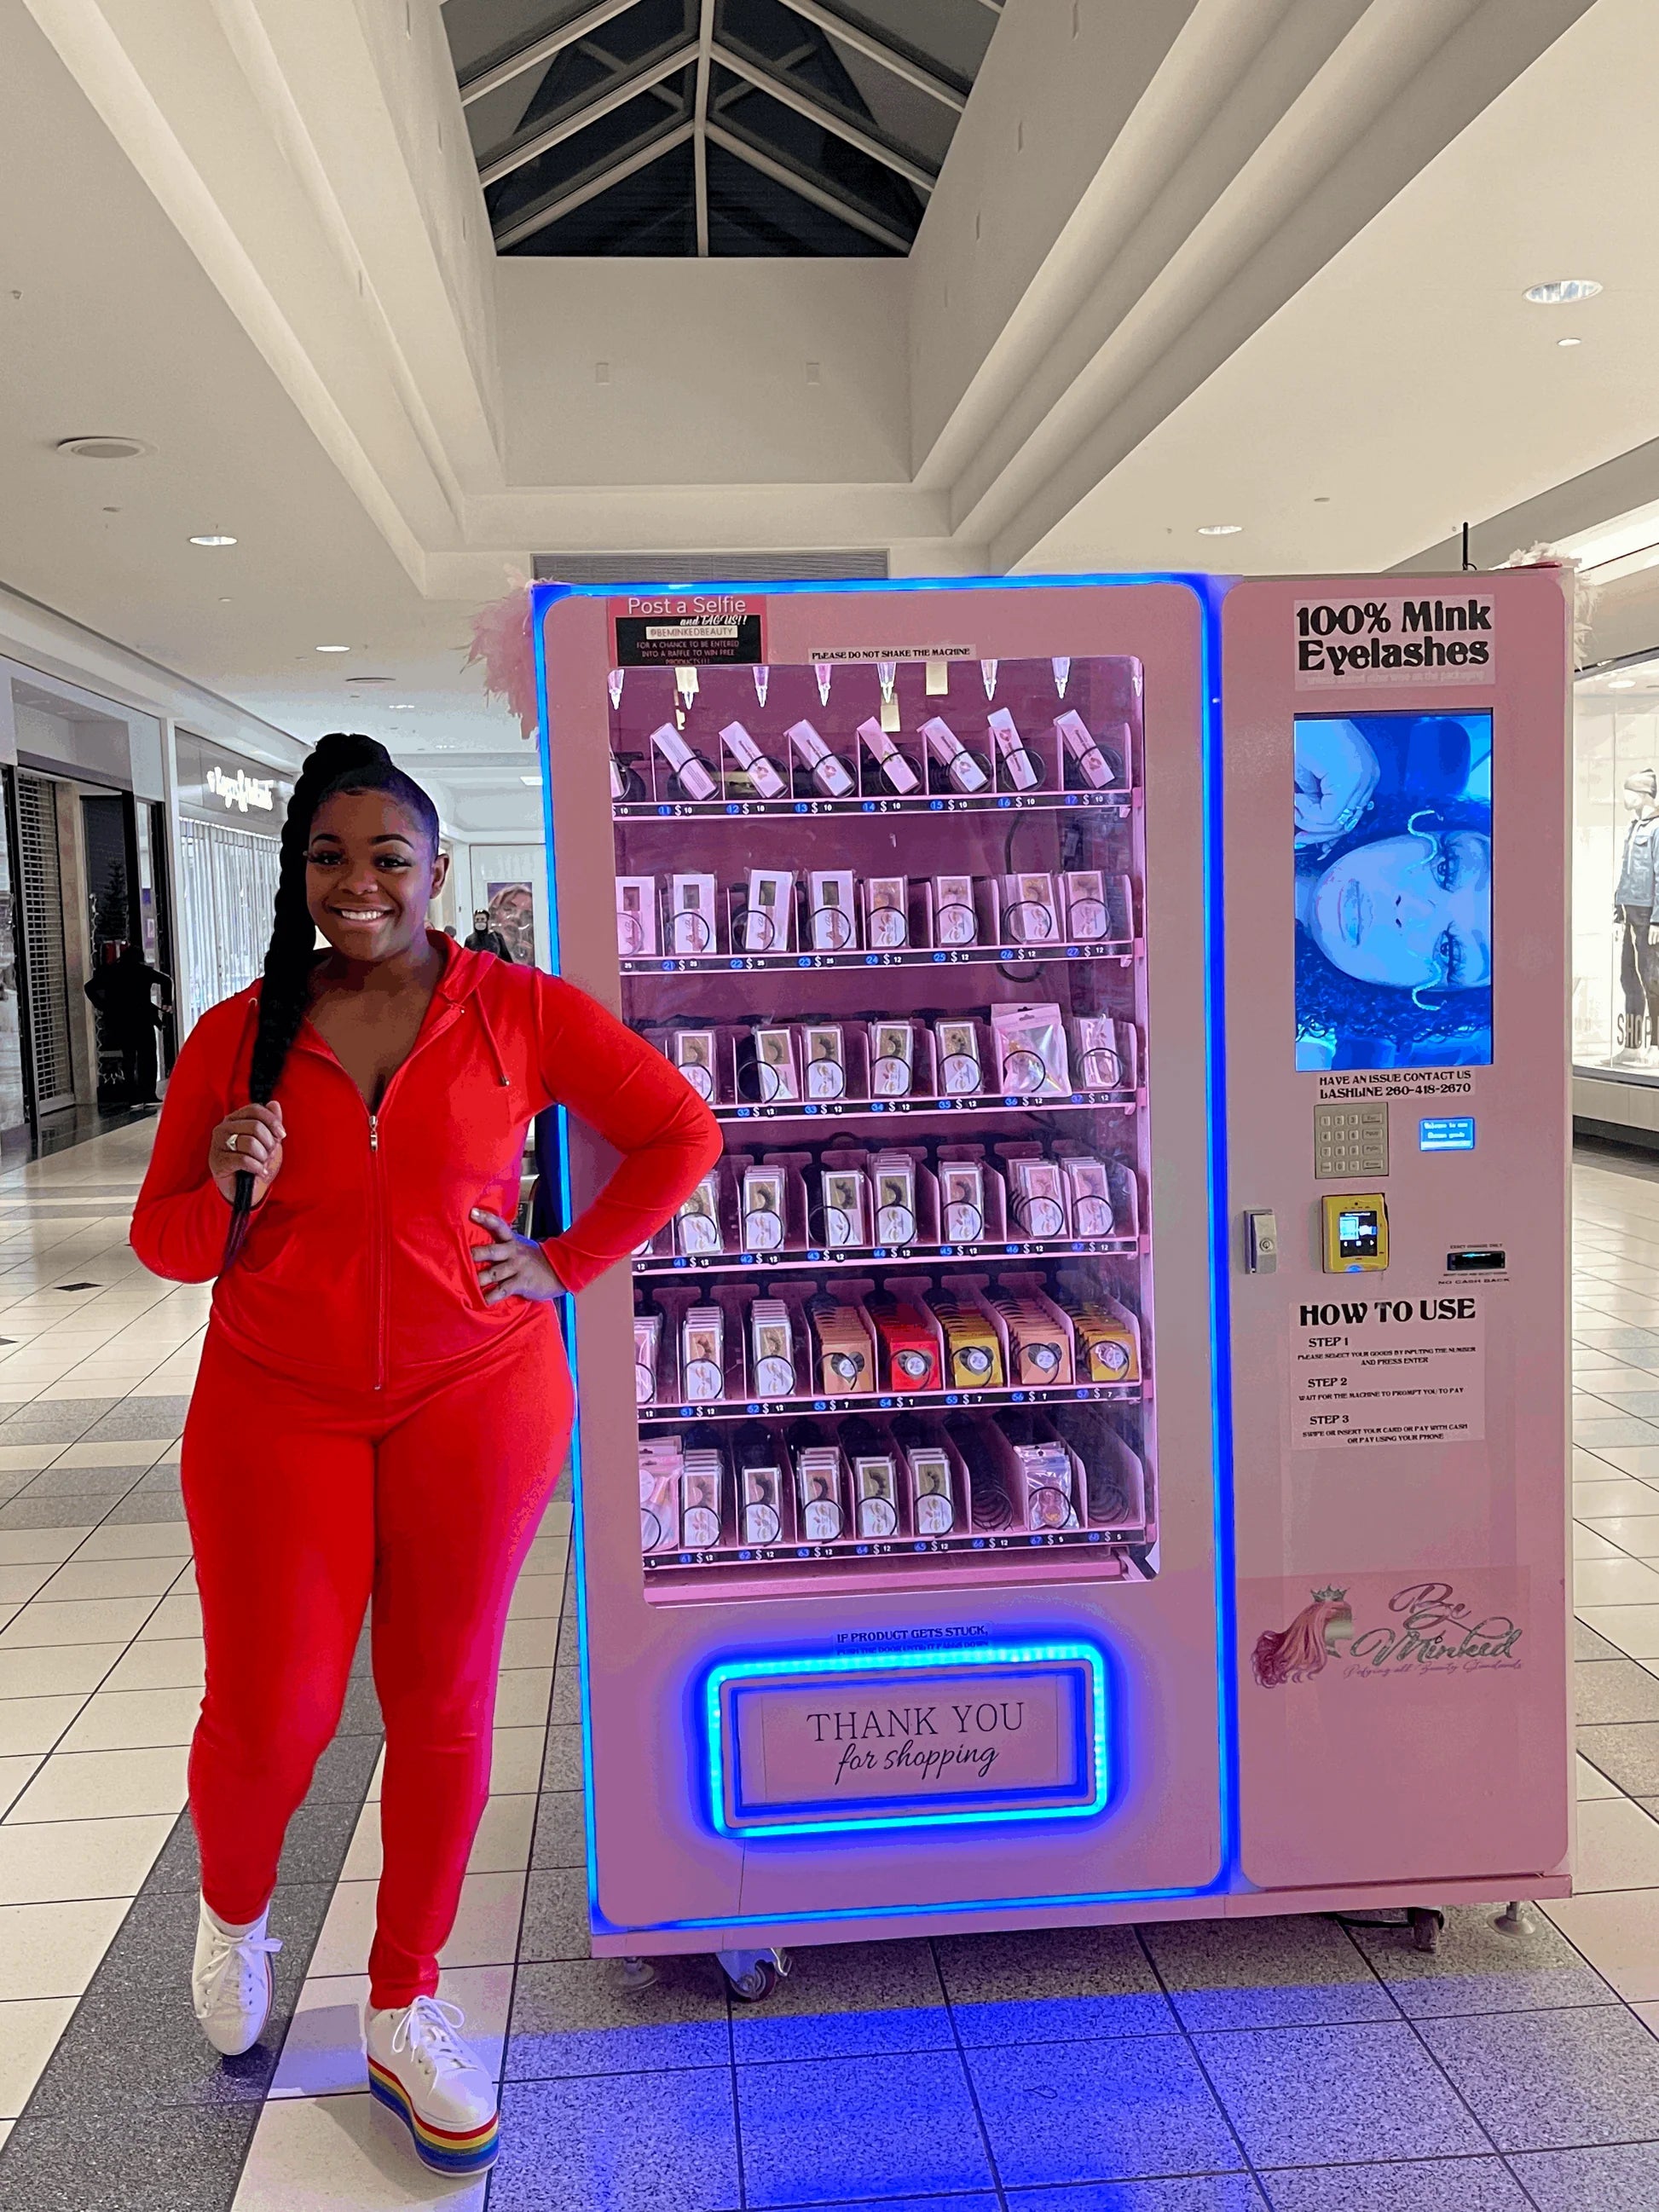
(1395, 894)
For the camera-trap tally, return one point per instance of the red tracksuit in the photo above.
(363, 1424)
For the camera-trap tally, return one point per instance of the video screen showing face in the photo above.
(1393, 891)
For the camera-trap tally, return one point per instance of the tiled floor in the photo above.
(1290, 2065)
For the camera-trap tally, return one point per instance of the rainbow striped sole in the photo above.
(446, 2150)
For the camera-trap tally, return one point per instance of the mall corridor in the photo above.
(1212, 2067)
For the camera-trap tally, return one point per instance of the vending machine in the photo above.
(1094, 1448)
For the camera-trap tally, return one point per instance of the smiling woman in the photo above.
(1393, 891)
(383, 1403)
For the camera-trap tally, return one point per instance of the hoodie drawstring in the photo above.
(489, 1039)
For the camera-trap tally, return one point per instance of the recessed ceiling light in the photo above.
(1569, 342)
(1219, 529)
(1621, 682)
(401, 706)
(530, 778)
(213, 538)
(103, 446)
(333, 648)
(1562, 291)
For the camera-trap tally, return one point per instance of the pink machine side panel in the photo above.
(1402, 1608)
(666, 1879)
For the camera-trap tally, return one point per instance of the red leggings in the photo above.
(302, 1504)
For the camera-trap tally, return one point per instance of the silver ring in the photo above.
(230, 1142)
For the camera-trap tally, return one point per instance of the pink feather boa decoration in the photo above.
(502, 640)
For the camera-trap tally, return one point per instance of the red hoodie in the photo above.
(357, 1268)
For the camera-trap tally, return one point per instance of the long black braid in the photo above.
(341, 761)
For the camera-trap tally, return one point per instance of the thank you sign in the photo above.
(812, 1743)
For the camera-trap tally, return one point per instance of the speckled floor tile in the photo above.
(1297, 1971)
(555, 1922)
(1479, 1968)
(98, 2161)
(1627, 1752)
(896, 2126)
(573, 2017)
(1052, 1984)
(1622, 2179)
(1192, 2192)
(560, 1838)
(1544, 2081)
(846, 2000)
(1614, 1689)
(1441, 2184)
(1127, 2108)
(1322, 2096)
(631, 2143)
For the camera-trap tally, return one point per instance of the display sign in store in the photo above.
(1388, 1371)
(861, 1741)
(690, 630)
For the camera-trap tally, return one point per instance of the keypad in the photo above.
(1351, 1142)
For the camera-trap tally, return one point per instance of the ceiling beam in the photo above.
(789, 95)
(807, 188)
(700, 118)
(590, 111)
(860, 41)
(540, 49)
(601, 180)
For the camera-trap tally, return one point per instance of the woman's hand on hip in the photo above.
(514, 1267)
(248, 1142)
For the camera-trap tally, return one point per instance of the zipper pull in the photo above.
(374, 1132)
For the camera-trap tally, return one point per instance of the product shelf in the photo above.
(1123, 951)
(678, 1265)
(1115, 804)
(965, 1108)
(896, 1401)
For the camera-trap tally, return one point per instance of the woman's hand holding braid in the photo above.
(248, 1142)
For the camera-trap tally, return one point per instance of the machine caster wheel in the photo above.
(751, 1975)
(1425, 1923)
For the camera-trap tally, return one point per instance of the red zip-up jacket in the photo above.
(357, 1268)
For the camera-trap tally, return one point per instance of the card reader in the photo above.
(1356, 1240)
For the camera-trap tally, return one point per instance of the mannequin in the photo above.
(1634, 901)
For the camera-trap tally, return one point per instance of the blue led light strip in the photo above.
(1210, 591)
(952, 1659)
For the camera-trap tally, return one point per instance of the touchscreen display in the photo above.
(1393, 843)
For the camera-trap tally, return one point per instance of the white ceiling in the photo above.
(1348, 392)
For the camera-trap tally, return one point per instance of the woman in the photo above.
(383, 1403)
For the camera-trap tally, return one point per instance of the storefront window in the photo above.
(1615, 874)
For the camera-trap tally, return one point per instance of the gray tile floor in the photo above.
(1286, 2065)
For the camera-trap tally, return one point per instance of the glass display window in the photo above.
(1615, 871)
(893, 931)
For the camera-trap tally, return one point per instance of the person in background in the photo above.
(123, 992)
(383, 1403)
(484, 937)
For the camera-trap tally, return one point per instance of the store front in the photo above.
(230, 821)
(82, 877)
(1615, 902)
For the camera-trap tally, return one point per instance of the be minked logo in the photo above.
(1422, 1624)
(1293, 1654)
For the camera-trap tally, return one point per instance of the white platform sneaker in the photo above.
(436, 2084)
(231, 1983)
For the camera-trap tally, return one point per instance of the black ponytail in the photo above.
(341, 761)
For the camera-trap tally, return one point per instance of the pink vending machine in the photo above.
(1097, 1443)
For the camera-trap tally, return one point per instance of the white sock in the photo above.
(234, 1929)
